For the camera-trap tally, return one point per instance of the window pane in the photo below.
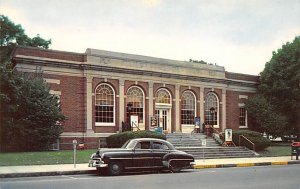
(211, 101)
(135, 96)
(104, 104)
(162, 96)
(242, 118)
(188, 108)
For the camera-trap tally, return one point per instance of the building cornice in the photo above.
(85, 66)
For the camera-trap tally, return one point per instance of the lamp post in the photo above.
(129, 109)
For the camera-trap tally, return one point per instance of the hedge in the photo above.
(117, 140)
(260, 142)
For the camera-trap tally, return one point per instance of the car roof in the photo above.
(149, 139)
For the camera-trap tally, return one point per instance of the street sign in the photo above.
(228, 135)
(203, 142)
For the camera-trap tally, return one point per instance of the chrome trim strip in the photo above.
(182, 159)
(135, 158)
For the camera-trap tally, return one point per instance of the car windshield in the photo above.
(125, 144)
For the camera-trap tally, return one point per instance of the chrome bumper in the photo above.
(97, 162)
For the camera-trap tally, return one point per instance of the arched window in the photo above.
(163, 97)
(211, 103)
(104, 105)
(135, 97)
(188, 108)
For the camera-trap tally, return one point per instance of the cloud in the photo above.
(239, 35)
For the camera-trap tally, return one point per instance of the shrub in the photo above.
(117, 140)
(260, 142)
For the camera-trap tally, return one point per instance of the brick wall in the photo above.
(237, 76)
(89, 142)
(53, 54)
(233, 109)
(73, 103)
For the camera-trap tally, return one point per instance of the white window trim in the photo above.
(105, 124)
(164, 89)
(218, 107)
(195, 110)
(242, 105)
(114, 116)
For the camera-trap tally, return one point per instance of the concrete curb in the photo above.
(246, 164)
(52, 173)
(77, 172)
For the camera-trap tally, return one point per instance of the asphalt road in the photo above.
(269, 177)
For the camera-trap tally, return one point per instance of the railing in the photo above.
(248, 142)
(215, 130)
(216, 135)
(136, 126)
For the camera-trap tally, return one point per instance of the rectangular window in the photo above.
(104, 114)
(137, 111)
(187, 117)
(243, 117)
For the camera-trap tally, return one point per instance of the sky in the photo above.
(237, 34)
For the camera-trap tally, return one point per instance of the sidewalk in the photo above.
(245, 162)
(68, 169)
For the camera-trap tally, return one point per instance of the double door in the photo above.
(163, 117)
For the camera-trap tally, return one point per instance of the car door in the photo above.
(159, 151)
(142, 155)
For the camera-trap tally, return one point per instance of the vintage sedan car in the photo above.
(141, 154)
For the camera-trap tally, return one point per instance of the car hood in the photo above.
(111, 150)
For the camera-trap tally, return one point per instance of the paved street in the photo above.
(268, 177)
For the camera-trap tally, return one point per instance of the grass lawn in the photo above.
(274, 151)
(83, 156)
(44, 158)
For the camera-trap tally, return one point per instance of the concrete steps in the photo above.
(218, 152)
(190, 140)
(192, 144)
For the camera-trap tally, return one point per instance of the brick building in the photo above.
(97, 87)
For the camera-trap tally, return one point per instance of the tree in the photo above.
(266, 118)
(279, 91)
(12, 35)
(30, 117)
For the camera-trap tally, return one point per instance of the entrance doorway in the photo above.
(163, 117)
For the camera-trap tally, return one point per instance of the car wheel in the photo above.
(174, 168)
(115, 168)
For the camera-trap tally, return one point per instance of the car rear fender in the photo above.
(178, 157)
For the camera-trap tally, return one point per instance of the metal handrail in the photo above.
(137, 126)
(215, 130)
(249, 141)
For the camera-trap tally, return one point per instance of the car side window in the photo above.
(160, 146)
(143, 145)
(157, 145)
(165, 147)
